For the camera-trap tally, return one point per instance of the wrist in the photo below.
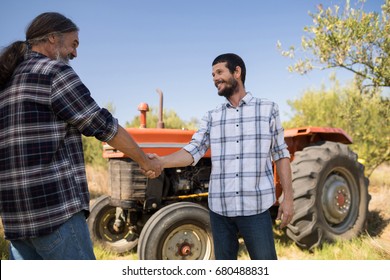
(163, 162)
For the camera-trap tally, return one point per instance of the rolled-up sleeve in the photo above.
(200, 141)
(279, 147)
(72, 102)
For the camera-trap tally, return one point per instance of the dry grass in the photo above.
(379, 217)
(97, 181)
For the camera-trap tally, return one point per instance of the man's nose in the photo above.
(73, 54)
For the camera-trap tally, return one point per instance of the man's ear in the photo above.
(237, 72)
(51, 38)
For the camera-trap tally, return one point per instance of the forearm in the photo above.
(180, 158)
(286, 207)
(123, 142)
(283, 170)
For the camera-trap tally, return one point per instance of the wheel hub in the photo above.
(340, 198)
(185, 242)
(111, 230)
(336, 199)
(184, 249)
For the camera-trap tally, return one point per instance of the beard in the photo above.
(229, 88)
(64, 59)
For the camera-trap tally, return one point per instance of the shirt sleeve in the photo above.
(200, 141)
(278, 147)
(72, 102)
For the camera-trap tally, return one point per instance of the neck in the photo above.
(45, 49)
(237, 96)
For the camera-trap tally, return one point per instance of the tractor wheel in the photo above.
(179, 231)
(330, 195)
(101, 224)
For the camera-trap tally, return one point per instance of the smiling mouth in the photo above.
(218, 84)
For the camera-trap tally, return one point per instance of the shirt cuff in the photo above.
(282, 152)
(194, 152)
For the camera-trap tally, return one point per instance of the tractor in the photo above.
(167, 218)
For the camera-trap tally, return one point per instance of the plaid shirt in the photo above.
(43, 111)
(242, 141)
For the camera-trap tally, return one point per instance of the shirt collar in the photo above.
(30, 54)
(245, 100)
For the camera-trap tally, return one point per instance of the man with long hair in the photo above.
(44, 109)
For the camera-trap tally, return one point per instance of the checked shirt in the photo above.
(44, 109)
(243, 141)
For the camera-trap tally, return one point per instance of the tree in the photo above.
(350, 39)
(93, 152)
(171, 120)
(365, 117)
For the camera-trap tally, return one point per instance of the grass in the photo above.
(374, 244)
(3, 247)
(102, 254)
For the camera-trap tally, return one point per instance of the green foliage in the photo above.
(349, 39)
(93, 152)
(4, 245)
(365, 117)
(357, 41)
(171, 120)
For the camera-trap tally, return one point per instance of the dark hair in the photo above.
(232, 61)
(38, 31)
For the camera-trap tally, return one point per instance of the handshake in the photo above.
(156, 164)
(153, 167)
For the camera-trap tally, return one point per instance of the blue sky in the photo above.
(130, 48)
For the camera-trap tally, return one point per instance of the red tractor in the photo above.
(167, 217)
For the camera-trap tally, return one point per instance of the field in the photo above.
(374, 244)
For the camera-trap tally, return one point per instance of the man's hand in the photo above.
(125, 143)
(154, 167)
(177, 159)
(286, 211)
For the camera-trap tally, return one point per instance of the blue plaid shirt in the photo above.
(243, 142)
(43, 112)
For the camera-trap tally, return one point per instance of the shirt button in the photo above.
(237, 125)
(237, 175)
(237, 157)
(238, 141)
(237, 192)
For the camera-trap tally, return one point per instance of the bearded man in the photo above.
(44, 109)
(245, 135)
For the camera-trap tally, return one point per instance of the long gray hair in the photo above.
(38, 31)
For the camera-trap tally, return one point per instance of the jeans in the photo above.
(71, 241)
(256, 231)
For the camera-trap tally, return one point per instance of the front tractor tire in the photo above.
(179, 231)
(103, 230)
(330, 195)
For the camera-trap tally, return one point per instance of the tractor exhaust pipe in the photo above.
(160, 123)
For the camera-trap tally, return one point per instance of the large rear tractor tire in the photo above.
(104, 229)
(330, 195)
(180, 231)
